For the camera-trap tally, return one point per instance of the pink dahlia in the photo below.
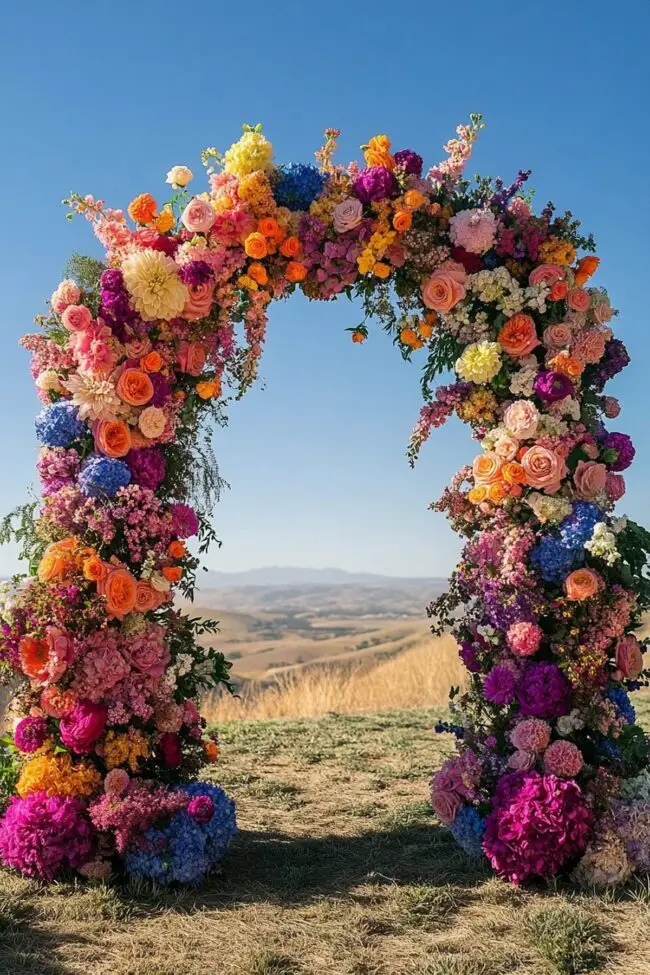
(563, 759)
(538, 824)
(524, 638)
(41, 835)
(532, 735)
(473, 230)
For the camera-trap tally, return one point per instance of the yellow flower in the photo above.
(152, 281)
(381, 270)
(125, 748)
(208, 390)
(377, 152)
(250, 153)
(480, 362)
(255, 190)
(57, 776)
(557, 251)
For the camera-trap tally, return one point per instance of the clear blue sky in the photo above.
(104, 98)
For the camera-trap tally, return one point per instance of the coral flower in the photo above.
(518, 337)
(113, 438)
(290, 247)
(134, 387)
(34, 657)
(582, 584)
(402, 221)
(143, 209)
(586, 268)
(295, 271)
(255, 246)
(120, 588)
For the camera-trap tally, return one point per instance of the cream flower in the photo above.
(49, 381)
(95, 397)
(480, 362)
(152, 422)
(179, 176)
(153, 283)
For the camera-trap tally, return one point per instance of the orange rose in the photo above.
(425, 330)
(172, 573)
(587, 267)
(445, 288)
(211, 750)
(134, 387)
(381, 270)
(258, 273)
(58, 561)
(582, 584)
(34, 657)
(176, 549)
(518, 337)
(478, 494)
(295, 271)
(496, 492)
(209, 390)
(358, 337)
(151, 362)
(120, 589)
(142, 209)
(290, 247)
(567, 365)
(513, 473)
(402, 221)
(559, 291)
(94, 569)
(414, 199)
(255, 246)
(146, 596)
(165, 221)
(113, 438)
(487, 467)
(543, 468)
(268, 226)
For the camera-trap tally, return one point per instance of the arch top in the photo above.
(551, 770)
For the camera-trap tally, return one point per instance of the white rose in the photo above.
(347, 215)
(179, 176)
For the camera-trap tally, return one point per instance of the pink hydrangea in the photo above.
(563, 759)
(102, 667)
(531, 735)
(473, 230)
(148, 652)
(524, 638)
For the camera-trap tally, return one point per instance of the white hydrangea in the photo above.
(602, 544)
(535, 297)
(551, 426)
(522, 381)
(569, 723)
(548, 508)
(498, 287)
(184, 663)
(638, 787)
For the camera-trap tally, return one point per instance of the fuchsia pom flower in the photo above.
(41, 835)
(201, 809)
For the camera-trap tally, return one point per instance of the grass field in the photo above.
(340, 869)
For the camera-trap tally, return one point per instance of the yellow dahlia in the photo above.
(154, 286)
(250, 153)
(56, 775)
(480, 362)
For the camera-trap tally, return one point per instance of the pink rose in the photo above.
(521, 418)
(81, 727)
(191, 358)
(543, 468)
(347, 215)
(629, 658)
(589, 478)
(506, 447)
(61, 651)
(445, 288)
(198, 216)
(615, 485)
(138, 347)
(522, 761)
(578, 299)
(76, 318)
(170, 749)
(148, 653)
(199, 301)
(546, 274)
(445, 802)
(603, 313)
(557, 336)
(66, 294)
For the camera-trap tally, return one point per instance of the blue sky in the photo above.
(104, 98)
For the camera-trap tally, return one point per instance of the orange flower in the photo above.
(258, 273)
(478, 494)
(255, 246)
(358, 336)
(165, 221)
(113, 438)
(209, 390)
(34, 657)
(210, 750)
(567, 365)
(176, 549)
(134, 387)
(151, 362)
(268, 226)
(381, 270)
(559, 291)
(496, 492)
(414, 199)
(146, 596)
(58, 561)
(518, 337)
(425, 330)
(408, 336)
(143, 209)
(582, 584)
(377, 152)
(513, 473)
(402, 220)
(94, 569)
(487, 467)
(295, 271)
(587, 267)
(120, 588)
(290, 247)
(172, 573)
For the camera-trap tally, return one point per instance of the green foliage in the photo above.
(633, 543)
(9, 769)
(444, 350)
(20, 526)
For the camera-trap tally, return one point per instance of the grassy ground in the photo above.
(339, 868)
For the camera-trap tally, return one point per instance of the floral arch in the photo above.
(551, 771)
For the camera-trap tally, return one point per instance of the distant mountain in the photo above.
(294, 576)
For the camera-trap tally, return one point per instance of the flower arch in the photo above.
(551, 771)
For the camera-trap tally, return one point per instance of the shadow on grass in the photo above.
(26, 949)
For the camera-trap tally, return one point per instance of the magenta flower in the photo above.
(552, 386)
(30, 734)
(41, 835)
(81, 728)
(375, 183)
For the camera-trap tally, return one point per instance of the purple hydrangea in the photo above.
(552, 386)
(618, 451)
(543, 691)
(499, 685)
(147, 467)
(375, 183)
(30, 734)
(409, 161)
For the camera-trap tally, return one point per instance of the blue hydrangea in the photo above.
(297, 186)
(579, 526)
(467, 829)
(58, 425)
(103, 476)
(185, 851)
(610, 749)
(552, 559)
(621, 700)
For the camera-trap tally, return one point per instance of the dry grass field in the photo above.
(339, 867)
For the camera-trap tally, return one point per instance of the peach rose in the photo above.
(518, 337)
(145, 596)
(445, 288)
(198, 216)
(134, 387)
(152, 422)
(67, 293)
(199, 301)
(76, 318)
(603, 313)
(543, 468)
(582, 584)
(629, 658)
(546, 274)
(119, 587)
(347, 215)
(112, 438)
(521, 419)
(506, 447)
(191, 358)
(557, 336)
(578, 299)
(559, 291)
(590, 347)
(589, 478)
(137, 348)
(487, 467)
